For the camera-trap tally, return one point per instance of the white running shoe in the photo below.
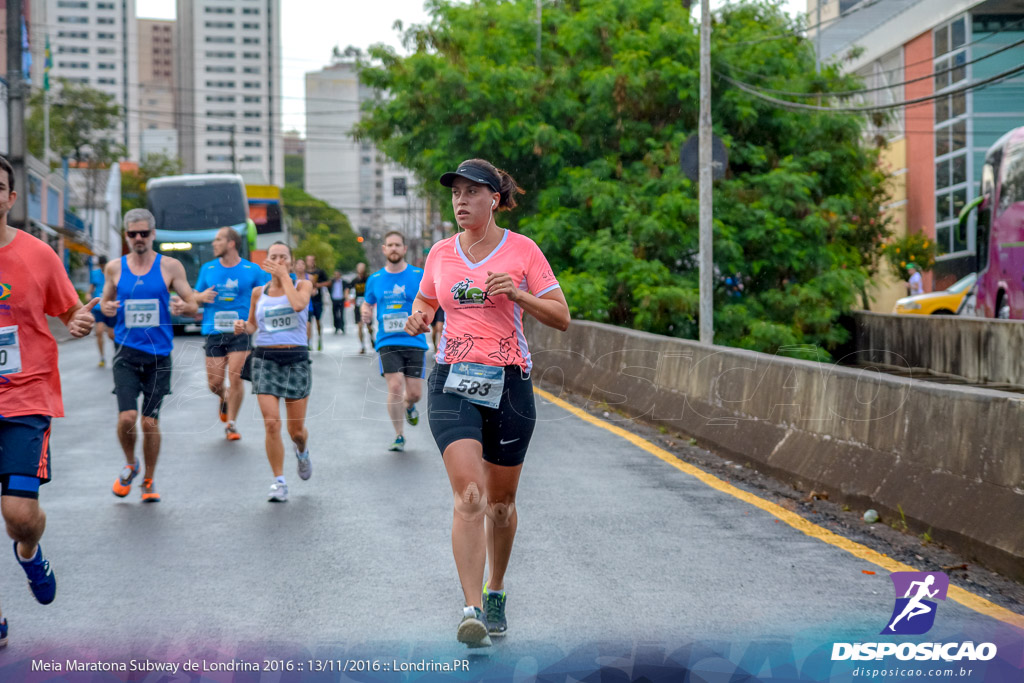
(278, 493)
(304, 466)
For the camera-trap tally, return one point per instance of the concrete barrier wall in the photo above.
(977, 349)
(952, 458)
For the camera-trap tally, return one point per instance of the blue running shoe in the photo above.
(412, 416)
(398, 445)
(473, 628)
(494, 610)
(40, 575)
(3, 632)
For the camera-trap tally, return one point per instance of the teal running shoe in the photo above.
(494, 610)
(398, 445)
(412, 416)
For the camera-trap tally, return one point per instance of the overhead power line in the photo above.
(757, 92)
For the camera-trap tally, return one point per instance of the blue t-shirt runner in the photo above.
(234, 287)
(393, 294)
(402, 356)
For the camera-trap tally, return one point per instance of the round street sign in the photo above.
(689, 158)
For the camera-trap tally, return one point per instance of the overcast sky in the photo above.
(311, 28)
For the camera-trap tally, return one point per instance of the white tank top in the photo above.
(278, 323)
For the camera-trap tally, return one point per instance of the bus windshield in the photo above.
(197, 206)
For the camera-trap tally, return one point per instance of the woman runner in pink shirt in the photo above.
(481, 405)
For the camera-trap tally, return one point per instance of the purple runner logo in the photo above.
(914, 613)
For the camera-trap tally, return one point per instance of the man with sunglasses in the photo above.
(34, 285)
(138, 292)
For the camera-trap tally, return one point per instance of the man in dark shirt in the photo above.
(320, 282)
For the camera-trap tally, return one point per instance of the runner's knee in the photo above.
(501, 513)
(150, 424)
(470, 503)
(126, 420)
(273, 425)
(413, 393)
(296, 429)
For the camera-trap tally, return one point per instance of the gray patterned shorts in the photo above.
(292, 380)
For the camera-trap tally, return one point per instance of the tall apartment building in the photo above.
(156, 87)
(93, 42)
(931, 51)
(352, 176)
(228, 108)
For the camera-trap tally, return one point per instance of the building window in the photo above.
(220, 98)
(107, 81)
(218, 143)
(220, 10)
(220, 24)
(73, 34)
(220, 114)
(73, 20)
(73, 4)
(220, 39)
(398, 187)
(253, 129)
(219, 129)
(73, 65)
(251, 41)
(106, 66)
(366, 160)
(952, 160)
(106, 36)
(104, 5)
(220, 84)
(252, 157)
(106, 51)
(251, 55)
(252, 115)
(74, 50)
(253, 143)
(220, 69)
(250, 10)
(218, 157)
(249, 25)
(255, 70)
(105, 20)
(220, 55)
(252, 85)
(252, 99)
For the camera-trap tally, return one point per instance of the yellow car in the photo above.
(946, 302)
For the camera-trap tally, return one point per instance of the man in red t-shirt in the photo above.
(33, 284)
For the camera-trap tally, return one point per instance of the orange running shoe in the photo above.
(124, 483)
(223, 411)
(149, 494)
(231, 433)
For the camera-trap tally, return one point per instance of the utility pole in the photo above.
(817, 40)
(538, 32)
(234, 165)
(707, 329)
(17, 152)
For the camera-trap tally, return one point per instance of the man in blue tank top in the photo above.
(138, 292)
(391, 291)
(225, 289)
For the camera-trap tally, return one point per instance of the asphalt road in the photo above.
(614, 545)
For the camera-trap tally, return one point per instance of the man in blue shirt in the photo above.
(104, 324)
(225, 289)
(391, 291)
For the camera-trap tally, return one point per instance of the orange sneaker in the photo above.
(123, 484)
(149, 494)
(223, 411)
(231, 433)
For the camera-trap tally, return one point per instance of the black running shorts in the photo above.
(504, 432)
(138, 372)
(404, 359)
(220, 344)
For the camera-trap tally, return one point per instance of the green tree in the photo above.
(82, 124)
(133, 183)
(594, 136)
(316, 224)
(294, 171)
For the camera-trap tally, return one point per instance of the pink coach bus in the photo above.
(999, 292)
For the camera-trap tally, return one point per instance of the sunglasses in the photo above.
(132, 234)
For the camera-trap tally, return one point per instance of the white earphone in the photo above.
(493, 202)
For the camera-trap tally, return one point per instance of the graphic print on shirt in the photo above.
(465, 294)
(508, 351)
(457, 349)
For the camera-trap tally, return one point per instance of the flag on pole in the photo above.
(26, 53)
(47, 64)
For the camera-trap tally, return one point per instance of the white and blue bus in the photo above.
(189, 210)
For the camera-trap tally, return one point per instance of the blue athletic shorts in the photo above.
(24, 454)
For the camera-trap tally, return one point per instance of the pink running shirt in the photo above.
(478, 328)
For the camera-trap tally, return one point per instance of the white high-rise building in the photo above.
(93, 43)
(353, 176)
(228, 86)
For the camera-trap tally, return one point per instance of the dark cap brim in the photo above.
(473, 175)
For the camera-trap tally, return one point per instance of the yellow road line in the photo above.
(965, 598)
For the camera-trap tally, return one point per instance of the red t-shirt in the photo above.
(33, 284)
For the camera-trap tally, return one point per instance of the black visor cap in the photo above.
(475, 173)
